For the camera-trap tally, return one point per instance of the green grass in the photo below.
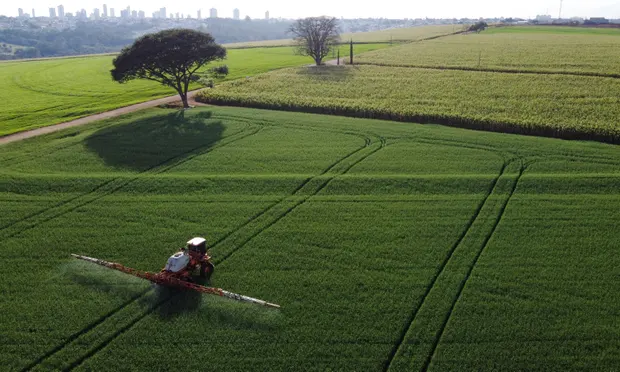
(45, 92)
(553, 30)
(386, 244)
(553, 105)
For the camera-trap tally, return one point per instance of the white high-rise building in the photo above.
(52, 12)
(105, 10)
(236, 14)
(20, 12)
(213, 13)
(267, 15)
(61, 11)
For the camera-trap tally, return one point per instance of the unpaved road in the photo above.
(89, 119)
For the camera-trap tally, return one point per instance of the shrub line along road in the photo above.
(92, 118)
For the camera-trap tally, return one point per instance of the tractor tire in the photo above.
(206, 270)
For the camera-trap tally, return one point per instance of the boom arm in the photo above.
(168, 280)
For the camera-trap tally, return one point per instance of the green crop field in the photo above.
(531, 52)
(554, 30)
(570, 107)
(396, 34)
(388, 245)
(45, 92)
(556, 85)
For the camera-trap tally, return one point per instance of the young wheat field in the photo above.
(388, 245)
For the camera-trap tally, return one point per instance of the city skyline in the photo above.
(395, 9)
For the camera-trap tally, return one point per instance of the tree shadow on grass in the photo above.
(327, 72)
(149, 142)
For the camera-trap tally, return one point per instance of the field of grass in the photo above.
(387, 245)
(575, 107)
(396, 34)
(46, 92)
(510, 51)
(553, 30)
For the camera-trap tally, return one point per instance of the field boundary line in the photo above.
(470, 223)
(492, 70)
(463, 283)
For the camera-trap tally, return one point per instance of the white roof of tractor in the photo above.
(196, 241)
(177, 262)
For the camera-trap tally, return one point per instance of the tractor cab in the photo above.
(197, 245)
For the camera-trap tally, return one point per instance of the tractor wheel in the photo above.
(206, 270)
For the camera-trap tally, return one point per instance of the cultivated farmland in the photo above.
(383, 36)
(510, 51)
(575, 107)
(388, 245)
(498, 81)
(45, 92)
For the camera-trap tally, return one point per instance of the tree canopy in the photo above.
(315, 36)
(170, 57)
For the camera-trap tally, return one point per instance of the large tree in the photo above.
(170, 57)
(315, 36)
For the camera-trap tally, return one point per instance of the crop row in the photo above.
(557, 106)
(585, 54)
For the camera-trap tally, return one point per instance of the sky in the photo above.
(343, 8)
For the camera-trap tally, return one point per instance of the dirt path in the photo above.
(89, 119)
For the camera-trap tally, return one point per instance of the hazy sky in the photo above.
(338, 8)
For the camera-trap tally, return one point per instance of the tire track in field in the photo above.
(413, 315)
(122, 330)
(90, 327)
(102, 319)
(122, 182)
(471, 268)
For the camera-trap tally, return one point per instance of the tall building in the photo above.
(105, 10)
(61, 11)
(112, 13)
(199, 14)
(20, 12)
(134, 14)
(141, 14)
(213, 13)
(236, 14)
(33, 14)
(96, 13)
(52, 12)
(162, 12)
(267, 15)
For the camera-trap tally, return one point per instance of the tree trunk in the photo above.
(318, 61)
(184, 100)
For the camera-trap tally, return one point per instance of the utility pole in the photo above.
(351, 52)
